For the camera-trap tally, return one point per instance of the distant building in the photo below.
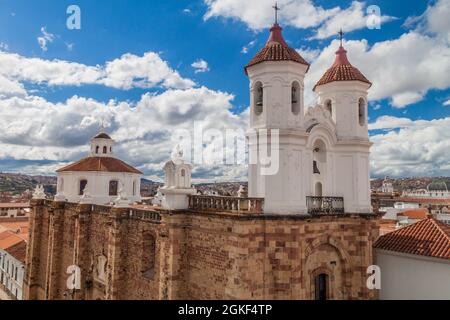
(415, 261)
(14, 209)
(13, 245)
(387, 186)
(395, 219)
(436, 189)
(100, 176)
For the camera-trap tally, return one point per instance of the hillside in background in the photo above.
(408, 183)
(19, 183)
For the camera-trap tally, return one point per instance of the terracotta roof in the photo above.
(14, 205)
(341, 70)
(14, 226)
(104, 164)
(9, 238)
(428, 237)
(102, 135)
(420, 213)
(276, 49)
(425, 200)
(14, 244)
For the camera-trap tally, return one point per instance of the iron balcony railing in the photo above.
(325, 205)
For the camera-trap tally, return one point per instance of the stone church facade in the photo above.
(159, 254)
(303, 232)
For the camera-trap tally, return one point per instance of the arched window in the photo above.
(318, 189)
(113, 186)
(258, 96)
(329, 107)
(295, 98)
(183, 172)
(362, 112)
(134, 187)
(321, 286)
(110, 149)
(83, 184)
(148, 255)
(105, 149)
(97, 148)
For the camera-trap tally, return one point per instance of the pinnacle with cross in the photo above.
(102, 126)
(341, 36)
(276, 8)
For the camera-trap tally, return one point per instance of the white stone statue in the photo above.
(158, 199)
(100, 268)
(242, 192)
(39, 192)
(86, 197)
(177, 155)
(122, 199)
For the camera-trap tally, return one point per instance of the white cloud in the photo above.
(143, 130)
(45, 38)
(403, 69)
(415, 148)
(128, 71)
(200, 66)
(447, 103)
(390, 122)
(434, 20)
(309, 54)
(144, 72)
(352, 18)
(70, 46)
(247, 47)
(10, 87)
(258, 14)
(377, 107)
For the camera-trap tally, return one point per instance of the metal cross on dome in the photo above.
(276, 8)
(341, 35)
(102, 126)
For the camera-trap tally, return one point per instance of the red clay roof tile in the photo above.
(276, 49)
(428, 237)
(341, 70)
(104, 164)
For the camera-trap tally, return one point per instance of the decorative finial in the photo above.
(39, 192)
(276, 8)
(341, 35)
(177, 154)
(102, 126)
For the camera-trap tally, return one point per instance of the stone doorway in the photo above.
(321, 287)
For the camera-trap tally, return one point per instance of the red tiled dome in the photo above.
(102, 135)
(342, 70)
(103, 164)
(276, 49)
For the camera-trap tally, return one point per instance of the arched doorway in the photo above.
(318, 189)
(321, 287)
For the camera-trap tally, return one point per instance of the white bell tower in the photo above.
(276, 77)
(343, 92)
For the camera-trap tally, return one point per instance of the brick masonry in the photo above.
(197, 255)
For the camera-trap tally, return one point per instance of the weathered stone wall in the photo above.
(197, 255)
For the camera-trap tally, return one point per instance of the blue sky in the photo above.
(409, 99)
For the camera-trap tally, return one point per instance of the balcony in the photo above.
(226, 204)
(325, 205)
